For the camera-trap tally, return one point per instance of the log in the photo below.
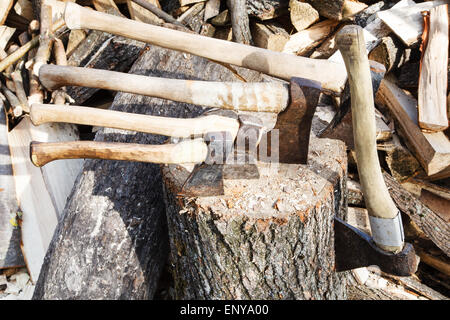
(269, 36)
(337, 9)
(302, 42)
(431, 149)
(260, 240)
(239, 22)
(390, 52)
(101, 50)
(341, 128)
(112, 242)
(193, 18)
(407, 22)
(432, 93)
(212, 9)
(302, 14)
(434, 227)
(5, 35)
(5, 7)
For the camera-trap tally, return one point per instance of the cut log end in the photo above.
(275, 232)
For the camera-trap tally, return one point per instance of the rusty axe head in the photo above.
(228, 157)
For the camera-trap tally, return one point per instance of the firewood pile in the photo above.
(412, 109)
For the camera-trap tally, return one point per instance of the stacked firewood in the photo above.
(410, 38)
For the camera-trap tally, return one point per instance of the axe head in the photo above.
(228, 158)
(355, 249)
(294, 123)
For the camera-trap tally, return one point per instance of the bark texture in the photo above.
(112, 241)
(239, 21)
(102, 50)
(267, 9)
(436, 228)
(270, 238)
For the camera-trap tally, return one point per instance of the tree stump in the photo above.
(270, 238)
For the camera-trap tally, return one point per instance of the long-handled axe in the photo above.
(295, 103)
(386, 248)
(332, 76)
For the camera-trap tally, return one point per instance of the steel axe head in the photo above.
(294, 123)
(228, 157)
(355, 249)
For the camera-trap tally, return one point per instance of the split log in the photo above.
(337, 9)
(341, 128)
(302, 14)
(431, 149)
(390, 52)
(112, 242)
(142, 14)
(260, 240)
(24, 8)
(304, 41)
(239, 22)
(402, 164)
(407, 22)
(212, 9)
(269, 36)
(5, 7)
(6, 34)
(10, 253)
(432, 94)
(193, 18)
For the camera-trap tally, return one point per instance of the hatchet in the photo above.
(295, 102)
(386, 247)
(208, 140)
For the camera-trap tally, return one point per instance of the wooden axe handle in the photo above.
(172, 127)
(350, 41)
(261, 96)
(333, 76)
(190, 151)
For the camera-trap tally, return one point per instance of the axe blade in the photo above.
(206, 180)
(355, 249)
(294, 124)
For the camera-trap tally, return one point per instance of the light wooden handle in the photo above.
(350, 41)
(261, 97)
(190, 151)
(333, 76)
(173, 127)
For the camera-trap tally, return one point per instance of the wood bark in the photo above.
(239, 21)
(434, 226)
(112, 241)
(270, 238)
(267, 9)
(101, 50)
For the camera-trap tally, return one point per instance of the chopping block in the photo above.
(269, 238)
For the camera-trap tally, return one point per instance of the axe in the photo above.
(331, 75)
(213, 136)
(386, 248)
(295, 102)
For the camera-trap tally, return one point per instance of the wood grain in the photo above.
(432, 92)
